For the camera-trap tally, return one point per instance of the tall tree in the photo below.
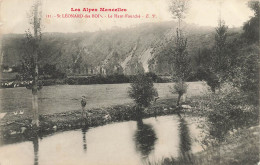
(179, 8)
(220, 52)
(246, 70)
(181, 59)
(31, 57)
(251, 27)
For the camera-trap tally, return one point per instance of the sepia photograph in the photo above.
(129, 82)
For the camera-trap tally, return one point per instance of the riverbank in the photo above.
(240, 148)
(19, 128)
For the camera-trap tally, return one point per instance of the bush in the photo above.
(211, 78)
(49, 82)
(229, 110)
(110, 79)
(154, 77)
(180, 88)
(142, 91)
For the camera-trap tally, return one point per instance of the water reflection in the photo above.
(131, 141)
(145, 138)
(35, 141)
(84, 130)
(185, 141)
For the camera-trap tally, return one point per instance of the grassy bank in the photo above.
(18, 128)
(239, 148)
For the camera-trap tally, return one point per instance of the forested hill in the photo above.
(127, 50)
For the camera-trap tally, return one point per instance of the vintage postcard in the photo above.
(129, 82)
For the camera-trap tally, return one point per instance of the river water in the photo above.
(131, 142)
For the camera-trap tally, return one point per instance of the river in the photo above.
(131, 142)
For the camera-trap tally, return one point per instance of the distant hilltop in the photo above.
(120, 50)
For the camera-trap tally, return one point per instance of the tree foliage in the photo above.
(245, 66)
(181, 59)
(204, 71)
(178, 8)
(236, 103)
(31, 45)
(220, 53)
(31, 56)
(251, 27)
(228, 110)
(142, 90)
(214, 64)
(233, 60)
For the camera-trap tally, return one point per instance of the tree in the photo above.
(30, 59)
(181, 59)
(217, 65)
(249, 60)
(220, 53)
(180, 87)
(203, 61)
(142, 91)
(76, 61)
(178, 8)
(251, 27)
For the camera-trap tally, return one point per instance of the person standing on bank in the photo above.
(83, 106)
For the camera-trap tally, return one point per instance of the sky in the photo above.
(14, 14)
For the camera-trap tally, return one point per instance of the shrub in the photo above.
(142, 91)
(180, 88)
(209, 77)
(229, 110)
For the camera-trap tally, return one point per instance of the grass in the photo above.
(65, 98)
(18, 128)
(240, 148)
